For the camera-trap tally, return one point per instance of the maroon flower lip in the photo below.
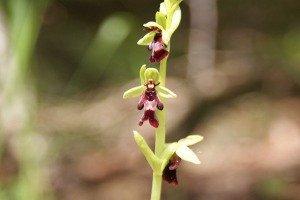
(158, 49)
(169, 173)
(150, 101)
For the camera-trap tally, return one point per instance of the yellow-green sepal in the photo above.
(152, 73)
(142, 74)
(191, 139)
(184, 152)
(187, 154)
(165, 92)
(150, 25)
(134, 92)
(147, 39)
(161, 19)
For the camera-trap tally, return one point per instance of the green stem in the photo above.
(160, 134)
(156, 186)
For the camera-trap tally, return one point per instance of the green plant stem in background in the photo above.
(19, 97)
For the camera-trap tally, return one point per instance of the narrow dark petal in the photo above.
(140, 106)
(160, 105)
(170, 175)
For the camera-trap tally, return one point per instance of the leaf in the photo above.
(191, 139)
(152, 159)
(165, 92)
(187, 154)
(147, 39)
(134, 92)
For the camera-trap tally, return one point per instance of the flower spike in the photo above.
(149, 90)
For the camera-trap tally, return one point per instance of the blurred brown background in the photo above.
(234, 66)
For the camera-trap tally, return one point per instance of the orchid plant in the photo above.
(166, 158)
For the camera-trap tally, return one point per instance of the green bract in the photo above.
(163, 9)
(152, 159)
(146, 74)
(175, 19)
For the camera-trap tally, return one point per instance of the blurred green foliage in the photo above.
(271, 187)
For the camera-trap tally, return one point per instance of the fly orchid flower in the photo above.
(158, 49)
(150, 101)
(167, 20)
(156, 40)
(177, 151)
(149, 90)
(168, 161)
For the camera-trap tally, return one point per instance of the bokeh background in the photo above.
(66, 132)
